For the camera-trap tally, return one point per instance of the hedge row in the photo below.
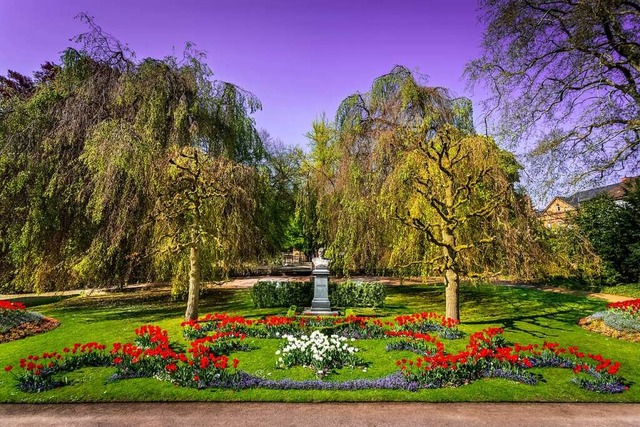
(347, 294)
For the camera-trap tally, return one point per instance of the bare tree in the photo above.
(564, 76)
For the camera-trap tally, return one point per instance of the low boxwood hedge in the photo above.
(288, 293)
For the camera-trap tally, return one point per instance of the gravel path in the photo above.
(248, 282)
(321, 414)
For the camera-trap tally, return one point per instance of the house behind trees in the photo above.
(558, 211)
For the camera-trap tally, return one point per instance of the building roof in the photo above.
(582, 196)
(616, 191)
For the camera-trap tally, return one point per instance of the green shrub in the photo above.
(292, 311)
(286, 294)
(357, 294)
(282, 294)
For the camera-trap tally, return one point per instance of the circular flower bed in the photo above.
(17, 322)
(206, 363)
(620, 320)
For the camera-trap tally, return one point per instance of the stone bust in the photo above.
(320, 262)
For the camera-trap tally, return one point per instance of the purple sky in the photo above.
(301, 58)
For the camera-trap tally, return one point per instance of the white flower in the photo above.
(278, 353)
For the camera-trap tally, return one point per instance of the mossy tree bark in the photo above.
(194, 281)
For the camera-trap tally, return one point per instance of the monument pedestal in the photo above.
(320, 305)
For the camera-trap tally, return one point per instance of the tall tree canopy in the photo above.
(393, 154)
(565, 75)
(110, 166)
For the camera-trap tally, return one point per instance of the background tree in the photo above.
(317, 197)
(408, 151)
(613, 229)
(94, 152)
(564, 75)
(280, 181)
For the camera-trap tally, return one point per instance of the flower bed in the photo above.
(17, 322)
(429, 322)
(620, 320)
(206, 363)
(349, 327)
(631, 307)
(319, 352)
(488, 356)
(623, 316)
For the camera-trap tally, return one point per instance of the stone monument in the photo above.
(320, 304)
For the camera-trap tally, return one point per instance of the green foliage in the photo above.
(613, 229)
(91, 187)
(280, 179)
(365, 172)
(292, 311)
(281, 294)
(571, 258)
(357, 294)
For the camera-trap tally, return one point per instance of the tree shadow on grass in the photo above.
(540, 321)
(545, 312)
(154, 306)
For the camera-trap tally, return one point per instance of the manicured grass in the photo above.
(631, 290)
(527, 315)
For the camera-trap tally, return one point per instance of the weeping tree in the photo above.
(199, 191)
(114, 169)
(369, 155)
(462, 186)
(200, 144)
(411, 154)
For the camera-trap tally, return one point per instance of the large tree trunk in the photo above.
(452, 282)
(194, 283)
(451, 278)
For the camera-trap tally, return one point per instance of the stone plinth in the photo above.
(320, 305)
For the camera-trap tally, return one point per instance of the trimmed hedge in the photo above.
(281, 294)
(357, 294)
(348, 294)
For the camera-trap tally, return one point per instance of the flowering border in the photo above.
(206, 364)
(350, 327)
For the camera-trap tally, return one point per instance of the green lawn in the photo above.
(527, 315)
